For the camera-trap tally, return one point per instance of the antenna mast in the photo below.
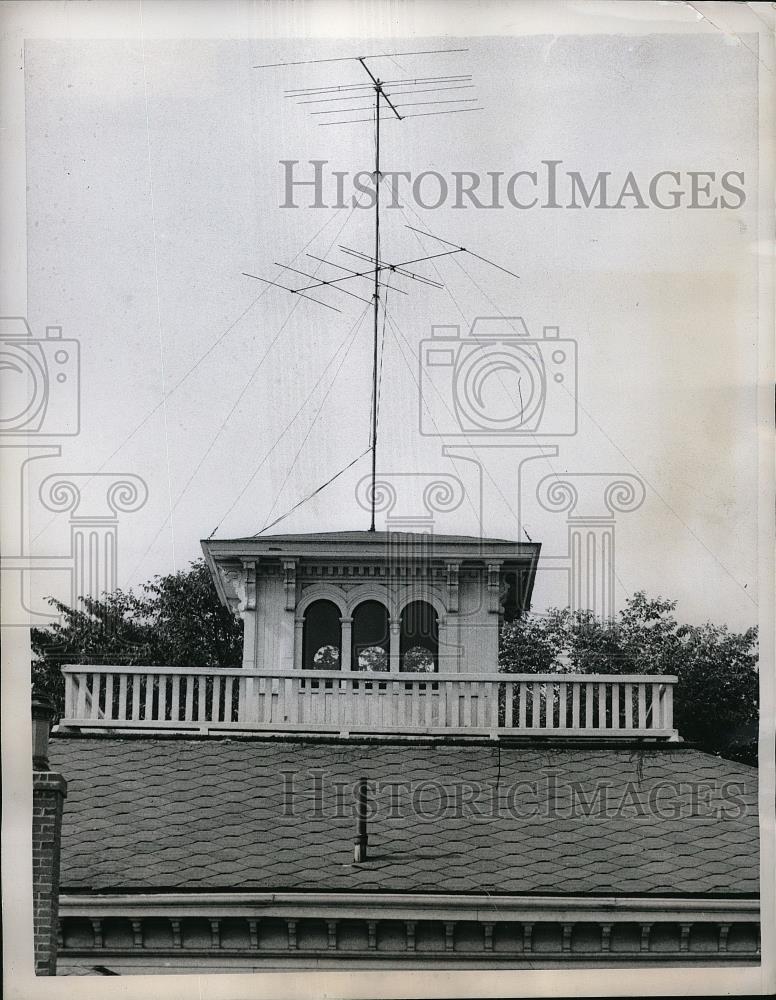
(393, 93)
(376, 304)
(378, 88)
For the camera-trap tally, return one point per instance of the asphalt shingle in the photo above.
(219, 813)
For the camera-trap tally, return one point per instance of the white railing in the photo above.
(180, 698)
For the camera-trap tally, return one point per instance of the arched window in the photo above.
(322, 637)
(419, 644)
(370, 636)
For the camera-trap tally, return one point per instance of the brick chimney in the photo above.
(48, 797)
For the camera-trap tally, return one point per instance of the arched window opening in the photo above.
(419, 644)
(370, 636)
(322, 637)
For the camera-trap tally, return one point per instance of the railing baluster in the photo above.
(601, 705)
(161, 713)
(356, 703)
(188, 715)
(576, 690)
(201, 696)
(629, 706)
(444, 691)
(282, 708)
(668, 707)
(656, 713)
(228, 698)
(536, 706)
(215, 712)
(69, 708)
(509, 704)
(523, 705)
(308, 701)
(588, 706)
(148, 698)
(242, 699)
(467, 704)
(94, 703)
(642, 706)
(562, 706)
(109, 697)
(453, 704)
(80, 708)
(121, 715)
(492, 692)
(429, 713)
(258, 699)
(615, 706)
(176, 696)
(391, 692)
(486, 703)
(135, 697)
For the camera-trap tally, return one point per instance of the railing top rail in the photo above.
(368, 675)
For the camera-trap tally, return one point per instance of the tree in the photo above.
(716, 695)
(175, 620)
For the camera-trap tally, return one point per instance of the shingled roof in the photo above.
(207, 814)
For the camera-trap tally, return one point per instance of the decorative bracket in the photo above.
(289, 581)
(249, 568)
(452, 586)
(494, 587)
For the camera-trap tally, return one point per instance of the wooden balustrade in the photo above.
(180, 698)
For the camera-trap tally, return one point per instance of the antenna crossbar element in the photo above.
(336, 287)
(452, 111)
(335, 88)
(294, 291)
(378, 94)
(377, 55)
(344, 111)
(307, 91)
(464, 249)
(409, 104)
(421, 114)
(350, 121)
(454, 100)
(397, 93)
(430, 79)
(356, 274)
(426, 90)
(335, 281)
(433, 256)
(397, 268)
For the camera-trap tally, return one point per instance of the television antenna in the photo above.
(380, 100)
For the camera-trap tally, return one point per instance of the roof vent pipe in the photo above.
(360, 843)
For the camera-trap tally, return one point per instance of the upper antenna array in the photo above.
(383, 100)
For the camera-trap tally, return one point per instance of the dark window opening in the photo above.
(322, 637)
(510, 605)
(419, 645)
(370, 637)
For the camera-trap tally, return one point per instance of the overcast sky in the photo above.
(154, 182)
